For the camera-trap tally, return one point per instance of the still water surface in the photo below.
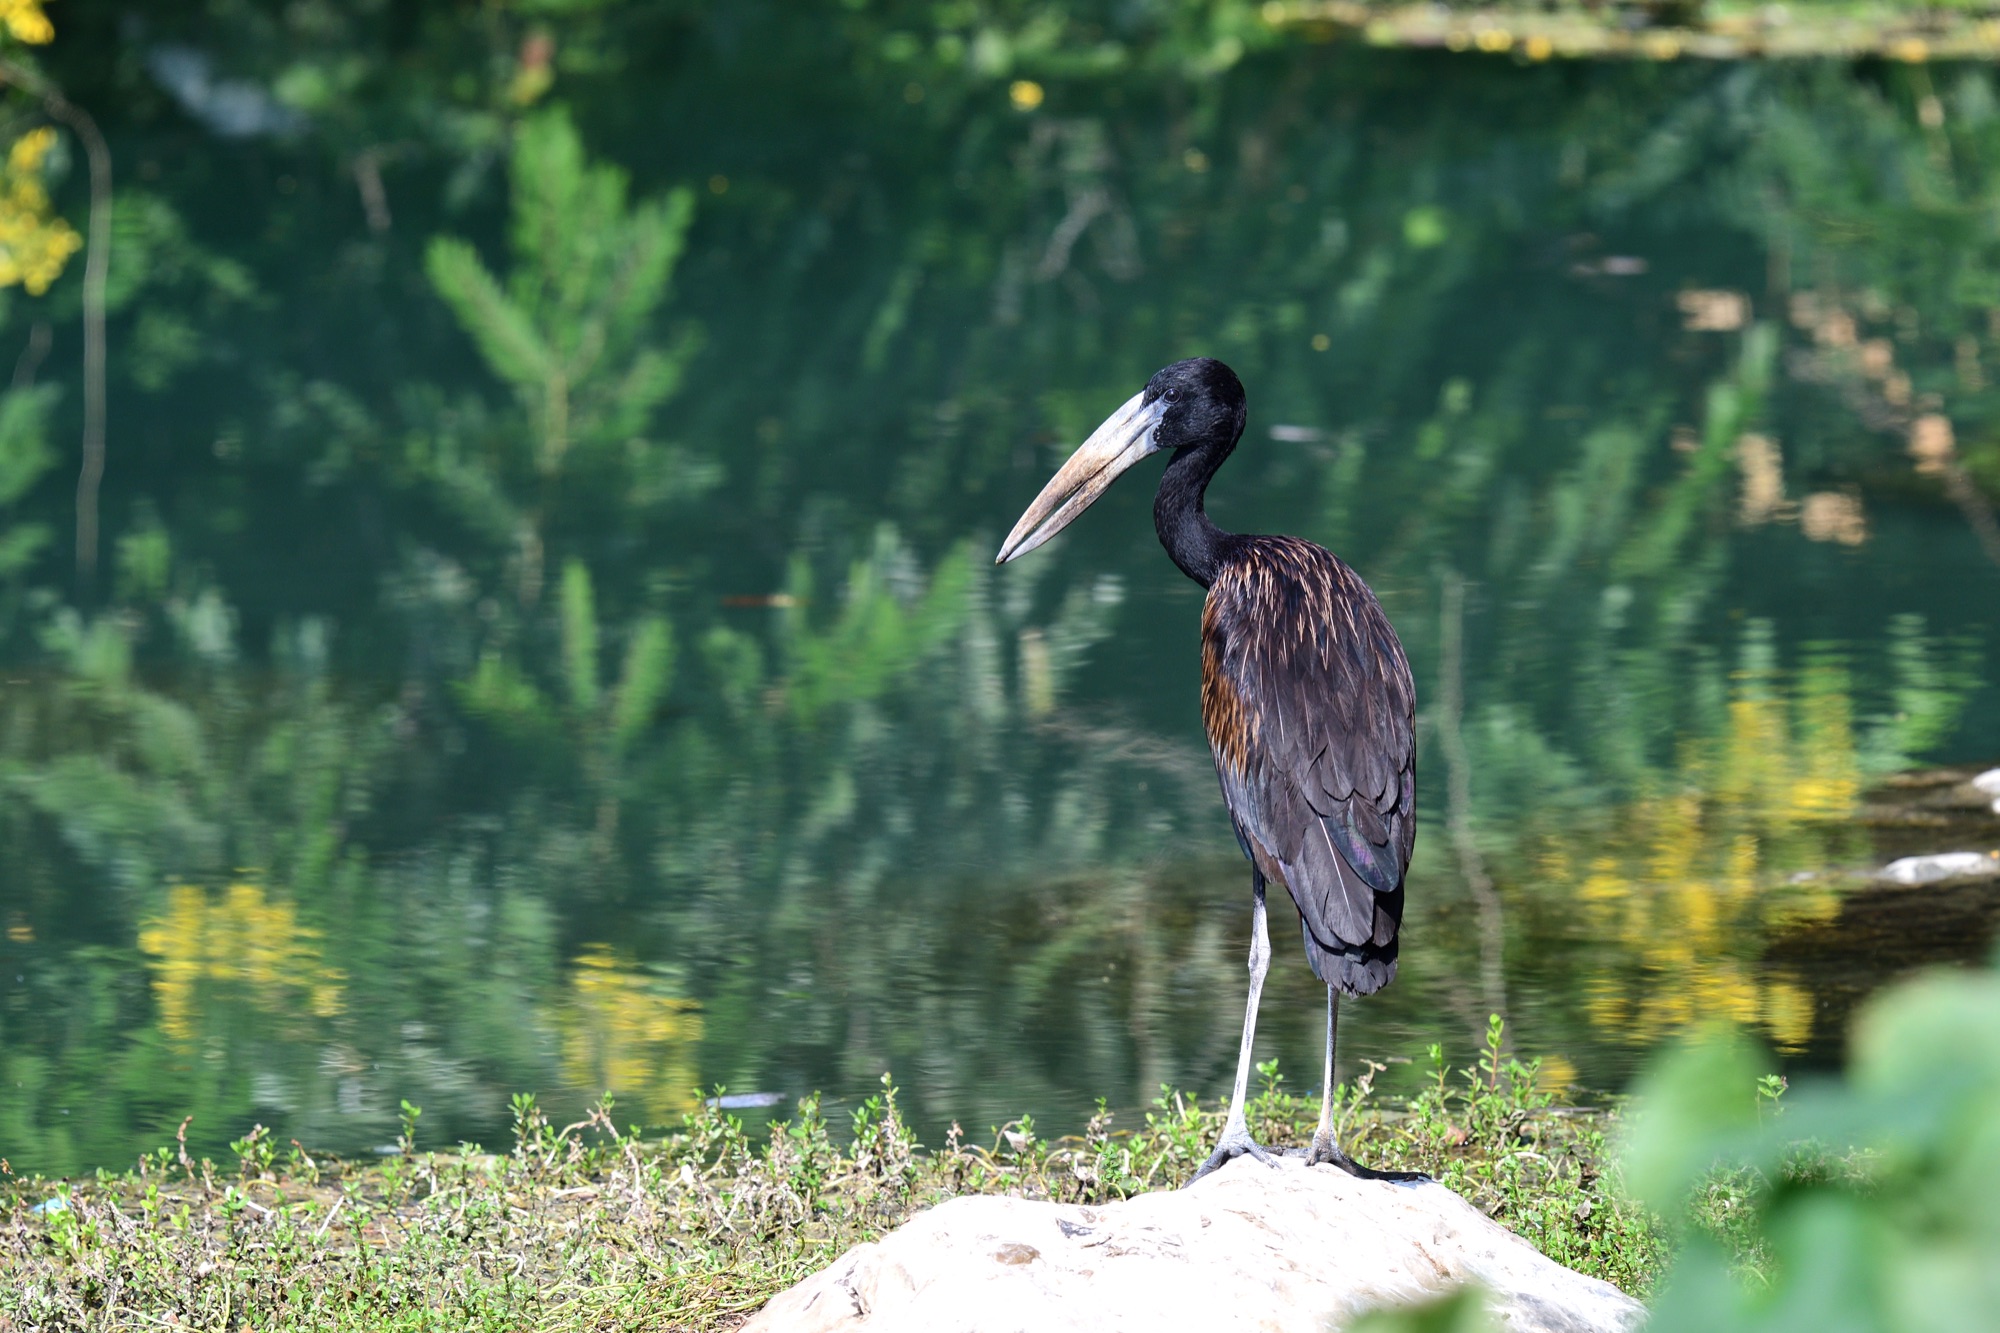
(439, 732)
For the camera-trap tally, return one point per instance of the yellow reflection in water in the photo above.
(26, 22)
(623, 1032)
(1692, 886)
(35, 241)
(240, 937)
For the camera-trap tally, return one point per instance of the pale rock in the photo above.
(1248, 1248)
(1988, 784)
(1940, 865)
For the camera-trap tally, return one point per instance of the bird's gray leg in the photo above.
(1323, 1148)
(1236, 1139)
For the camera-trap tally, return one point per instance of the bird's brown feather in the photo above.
(1310, 711)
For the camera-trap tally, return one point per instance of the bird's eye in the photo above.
(1172, 395)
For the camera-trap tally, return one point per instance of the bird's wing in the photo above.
(1310, 710)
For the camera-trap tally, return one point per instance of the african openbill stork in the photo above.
(1306, 696)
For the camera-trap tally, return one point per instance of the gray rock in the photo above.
(1249, 1248)
(1940, 865)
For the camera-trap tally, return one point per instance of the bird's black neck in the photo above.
(1190, 536)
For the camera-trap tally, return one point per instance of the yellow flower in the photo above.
(25, 157)
(26, 21)
(35, 244)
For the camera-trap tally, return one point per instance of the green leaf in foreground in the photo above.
(1871, 1203)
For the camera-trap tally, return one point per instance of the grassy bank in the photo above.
(588, 1227)
(1659, 29)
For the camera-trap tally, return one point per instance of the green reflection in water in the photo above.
(547, 640)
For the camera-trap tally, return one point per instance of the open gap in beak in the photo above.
(1125, 437)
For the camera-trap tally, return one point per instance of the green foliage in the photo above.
(406, 1140)
(1867, 1204)
(1484, 1133)
(145, 562)
(24, 449)
(1927, 696)
(498, 690)
(1460, 1312)
(25, 456)
(607, 724)
(158, 255)
(1704, 1088)
(643, 681)
(579, 638)
(1733, 405)
(880, 631)
(568, 328)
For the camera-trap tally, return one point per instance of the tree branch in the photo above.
(96, 272)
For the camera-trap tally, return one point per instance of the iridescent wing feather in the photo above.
(1310, 711)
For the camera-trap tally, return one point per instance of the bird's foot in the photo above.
(1324, 1151)
(1236, 1142)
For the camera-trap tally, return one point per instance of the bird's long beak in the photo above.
(1125, 437)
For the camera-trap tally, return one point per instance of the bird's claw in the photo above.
(1324, 1151)
(1236, 1142)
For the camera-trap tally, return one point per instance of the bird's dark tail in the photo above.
(1348, 968)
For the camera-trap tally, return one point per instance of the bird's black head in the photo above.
(1189, 403)
(1204, 401)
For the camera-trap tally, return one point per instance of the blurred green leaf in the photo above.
(505, 335)
(569, 328)
(145, 561)
(19, 543)
(648, 671)
(1463, 1311)
(1941, 1028)
(1692, 1105)
(498, 691)
(881, 630)
(1876, 1208)
(25, 454)
(579, 638)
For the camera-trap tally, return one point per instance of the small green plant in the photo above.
(1489, 1057)
(1770, 1088)
(406, 1140)
(254, 1153)
(883, 1144)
